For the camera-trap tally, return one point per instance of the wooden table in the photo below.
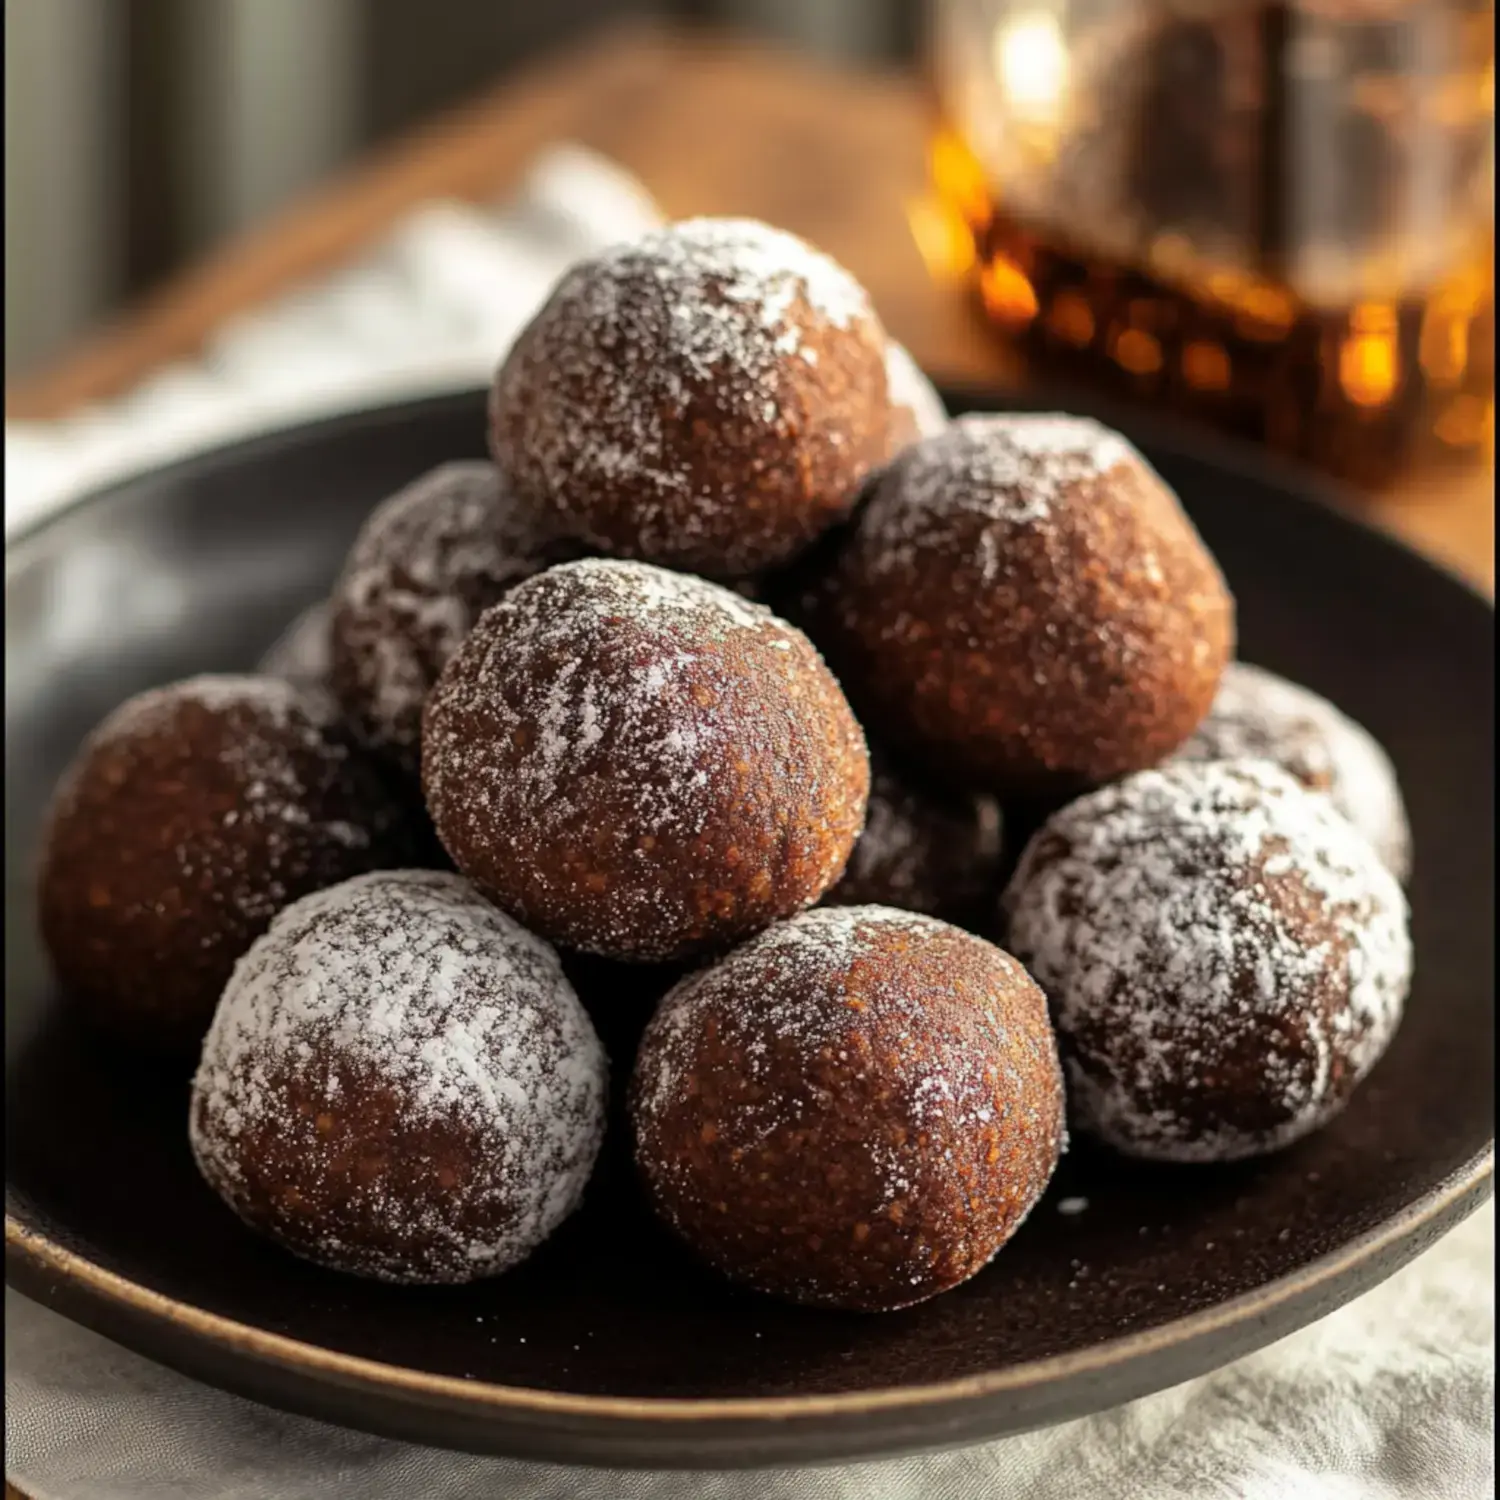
(710, 127)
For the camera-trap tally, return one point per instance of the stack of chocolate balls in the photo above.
(548, 717)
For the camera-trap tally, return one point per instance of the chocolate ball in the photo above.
(1023, 605)
(400, 1083)
(189, 818)
(303, 652)
(1257, 714)
(640, 764)
(1225, 956)
(425, 565)
(917, 411)
(856, 1109)
(710, 397)
(924, 848)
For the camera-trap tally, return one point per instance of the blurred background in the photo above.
(140, 132)
(1272, 217)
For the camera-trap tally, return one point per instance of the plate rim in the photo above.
(1453, 1200)
(43, 1269)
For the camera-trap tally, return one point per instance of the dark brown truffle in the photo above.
(426, 564)
(1225, 956)
(640, 764)
(923, 849)
(1259, 715)
(856, 1109)
(399, 1082)
(710, 397)
(189, 818)
(1023, 605)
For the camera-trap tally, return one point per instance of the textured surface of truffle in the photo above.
(399, 1082)
(923, 850)
(855, 1109)
(1259, 715)
(188, 819)
(640, 764)
(1225, 956)
(425, 565)
(710, 397)
(1023, 605)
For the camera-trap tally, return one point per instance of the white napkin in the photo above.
(1391, 1398)
(432, 309)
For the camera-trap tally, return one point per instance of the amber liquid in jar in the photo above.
(1275, 218)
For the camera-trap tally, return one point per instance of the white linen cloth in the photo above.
(432, 309)
(1390, 1398)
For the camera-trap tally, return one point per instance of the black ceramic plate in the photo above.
(611, 1346)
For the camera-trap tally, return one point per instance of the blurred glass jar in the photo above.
(1275, 216)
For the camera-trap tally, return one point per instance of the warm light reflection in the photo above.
(1345, 346)
(1031, 63)
(1266, 312)
(1205, 367)
(1444, 347)
(1137, 351)
(1368, 365)
(1463, 422)
(1008, 295)
(1071, 319)
(958, 178)
(942, 239)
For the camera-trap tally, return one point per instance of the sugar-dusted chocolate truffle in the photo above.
(189, 818)
(303, 652)
(426, 564)
(400, 1083)
(855, 1109)
(924, 848)
(1225, 956)
(917, 411)
(640, 764)
(710, 397)
(1023, 604)
(1260, 715)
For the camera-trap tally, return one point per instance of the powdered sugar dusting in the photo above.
(729, 290)
(1007, 469)
(756, 268)
(909, 387)
(611, 606)
(633, 760)
(660, 599)
(570, 715)
(673, 373)
(190, 817)
(280, 701)
(426, 563)
(802, 958)
(276, 735)
(410, 984)
(1258, 714)
(1183, 915)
